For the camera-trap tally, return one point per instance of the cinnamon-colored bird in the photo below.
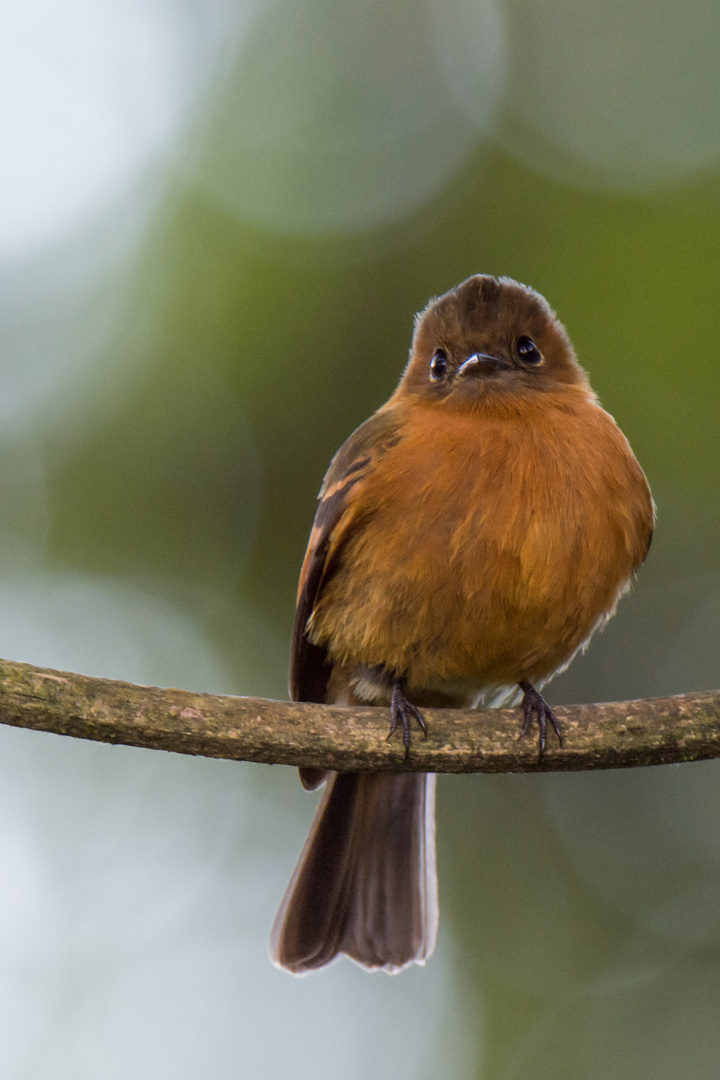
(471, 536)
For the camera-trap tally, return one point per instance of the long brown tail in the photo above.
(366, 883)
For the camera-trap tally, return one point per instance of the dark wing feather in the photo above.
(334, 522)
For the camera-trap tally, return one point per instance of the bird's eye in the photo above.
(528, 351)
(438, 365)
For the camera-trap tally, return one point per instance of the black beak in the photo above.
(481, 363)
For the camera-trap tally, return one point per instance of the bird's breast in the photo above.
(490, 548)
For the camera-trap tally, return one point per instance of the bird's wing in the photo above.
(337, 516)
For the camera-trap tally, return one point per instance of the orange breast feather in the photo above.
(491, 545)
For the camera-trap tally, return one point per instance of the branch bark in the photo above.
(652, 731)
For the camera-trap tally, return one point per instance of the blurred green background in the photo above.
(216, 223)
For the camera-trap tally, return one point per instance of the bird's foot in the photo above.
(535, 703)
(403, 711)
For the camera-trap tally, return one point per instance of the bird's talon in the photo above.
(404, 711)
(534, 703)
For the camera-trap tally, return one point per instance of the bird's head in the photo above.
(487, 339)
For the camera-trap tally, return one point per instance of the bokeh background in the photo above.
(216, 222)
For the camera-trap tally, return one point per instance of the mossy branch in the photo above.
(652, 731)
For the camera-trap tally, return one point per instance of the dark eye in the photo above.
(528, 351)
(438, 365)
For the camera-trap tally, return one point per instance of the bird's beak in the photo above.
(481, 363)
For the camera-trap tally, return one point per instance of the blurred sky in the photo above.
(216, 223)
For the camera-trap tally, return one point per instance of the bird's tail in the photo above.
(366, 881)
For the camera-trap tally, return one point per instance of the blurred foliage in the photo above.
(181, 364)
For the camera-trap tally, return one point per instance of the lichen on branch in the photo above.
(650, 731)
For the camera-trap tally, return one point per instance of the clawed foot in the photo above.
(404, 711)
(533, 702)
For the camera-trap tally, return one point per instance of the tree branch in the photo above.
(653, 731)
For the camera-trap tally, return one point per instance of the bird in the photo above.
(470, 538)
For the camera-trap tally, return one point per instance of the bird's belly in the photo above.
(484, 562)
(474, 602)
